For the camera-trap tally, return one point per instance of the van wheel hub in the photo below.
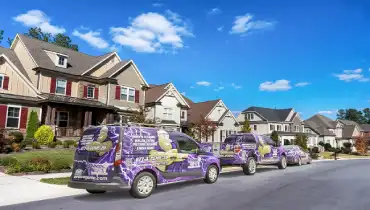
(145, 185)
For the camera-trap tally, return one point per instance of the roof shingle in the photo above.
(201, 109)
(270, 114)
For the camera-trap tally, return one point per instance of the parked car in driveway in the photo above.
(139, 158)
(297, 155)
(248, 150)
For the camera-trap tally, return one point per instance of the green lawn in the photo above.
(328, 155)
(57, 181)
(51, 155)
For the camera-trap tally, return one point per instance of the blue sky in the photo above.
(312, 56)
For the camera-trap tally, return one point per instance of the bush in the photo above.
(14, 168)
(39, 164)
(29, 141)
(16, 136)
(361, 145)
(315, 150)
(331, 149)
(327, 146)
(36, 145)
(59, 142)
(52, 144)
(7, 161)
(347, 144)
(321, 143)
(44, 135)
(315, 156)
(60, 164)
(356, 153)
(346, 150)
(32, 124)
(68, 143)
(16, 147)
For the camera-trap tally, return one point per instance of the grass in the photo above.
(57, 181)
(329, 155)
(47, 154)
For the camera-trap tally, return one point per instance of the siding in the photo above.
(45, 81)
(127, 78)
(26, 60)
(217, 112)
(168, 101)
(105, 66)
(17, 85)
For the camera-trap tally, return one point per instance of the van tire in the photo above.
(299, 162)
(211, 175)
(283, 162)
(95, 191)
(250, 167)
(145, 178)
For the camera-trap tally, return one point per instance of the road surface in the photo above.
(332, 185)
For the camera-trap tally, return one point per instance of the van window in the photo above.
(268, 141)
(249, 139)
(185, 144)
(230, 140)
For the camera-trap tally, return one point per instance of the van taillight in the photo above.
(118, 159)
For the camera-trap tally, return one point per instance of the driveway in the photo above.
(331, 185)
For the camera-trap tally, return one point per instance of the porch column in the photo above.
(90, 118)
(86, 119)
(52, 119)
(48, 115)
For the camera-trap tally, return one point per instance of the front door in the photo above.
(188, 151)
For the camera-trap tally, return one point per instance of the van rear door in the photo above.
(95, 154)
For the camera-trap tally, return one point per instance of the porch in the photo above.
(71, 120)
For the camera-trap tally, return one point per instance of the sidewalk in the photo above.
(16, 189)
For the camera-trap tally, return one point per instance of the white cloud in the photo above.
(157, 4)
(214, 11)
(356, 71)
(192, 87)
(37, 18)
(245, 24)
(93, 38)
(183, 93)
(236, 86)
(219, 88)
(278, 85)
(221, 28)
(352, 75)
(325, 112)
(153, 32)
(302, 84)
(204, 83)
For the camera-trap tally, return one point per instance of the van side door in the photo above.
(188, 152)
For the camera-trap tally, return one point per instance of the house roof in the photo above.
(14, 59)
(270, 114)
(154, 92)
(78, 62)
(365, 127)
(348, 131)
(112, 70)
(322, 131)
(201, 109)
(189, 101)
(322, 121)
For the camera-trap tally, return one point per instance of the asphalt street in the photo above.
(332, 185)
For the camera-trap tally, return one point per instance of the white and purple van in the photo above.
(113, 157)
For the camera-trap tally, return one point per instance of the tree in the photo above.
(202, 129)
(354, 115)
(341, 114)
(141, 116)
(1, 35)
(361, 145)
(275, 137)
(366, 114)
(59, 39)
(10, 41)
(301, 140)
(32, 125)
(246, 127)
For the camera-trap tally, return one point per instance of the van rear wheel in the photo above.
(143, 185)
(282, 163)
(250, 167)
(95, 191)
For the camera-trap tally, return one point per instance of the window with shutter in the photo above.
(69, 88)
(90, 91)
(4, 82)
(137, 96)
(96, 94)
(118, 92)
(1, 80)
(53, 84)
(85, 91)
(13, 117)
(24, 116)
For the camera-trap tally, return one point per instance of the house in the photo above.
(166, 106)
(335, 132)
(68, 89)
(365, 131)
(216, 112)
(286, 122)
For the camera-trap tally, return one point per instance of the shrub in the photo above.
(356, 153)
(36, 145)
(16, 136)
(68, 143)
(315, 150)
(44, 135)
(327, 146)
(59, 164)
(7, 161)
(321, 143)
(346, 150)
(32, 124)
(16, 147)
(39, 164)
(59, 142)
(29, 141)
(347, 144)
(14, 168)
(52, 144)
(361, 145)
(315, 156)
(75, 144)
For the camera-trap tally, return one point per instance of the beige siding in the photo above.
(105, 66)
(128, 78)
(17, 85)
(103, 92)
(26, 60)
(45, 85)
(52, 56)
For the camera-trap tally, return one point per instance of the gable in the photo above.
(132, 68)
(217, 111)
(173, 92)
(104, 65)
(227, 116)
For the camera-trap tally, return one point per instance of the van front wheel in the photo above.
(249, 168)
(211, 175)
(143, 185)
(96, 191)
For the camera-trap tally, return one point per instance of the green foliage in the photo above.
(1, 35)
(275, 137)
(57, 181)
(321, 143)
(32, 124)
(327, 146)
(315, 155)
(246, 128)
(59, 142)
(301, 140)
(59, 39)
(52, 144)
(7, 160)
(359, 116)
(44, 135)
(16, 136)
(10, 41)
(68, 143)
(59, 164)
(36, 145)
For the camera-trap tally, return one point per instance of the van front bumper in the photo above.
(116, 184)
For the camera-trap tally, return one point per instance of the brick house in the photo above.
(68, 89)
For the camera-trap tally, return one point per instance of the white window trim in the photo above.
(58, 116)
(19, 118)
(87, 92)
(56, 86)
(2, 81)
(167, 114)
(57, 61)
(128, 94)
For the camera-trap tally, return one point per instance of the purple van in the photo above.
(138, 158)
(248, 150)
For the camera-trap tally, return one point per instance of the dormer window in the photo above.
(61, 61)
